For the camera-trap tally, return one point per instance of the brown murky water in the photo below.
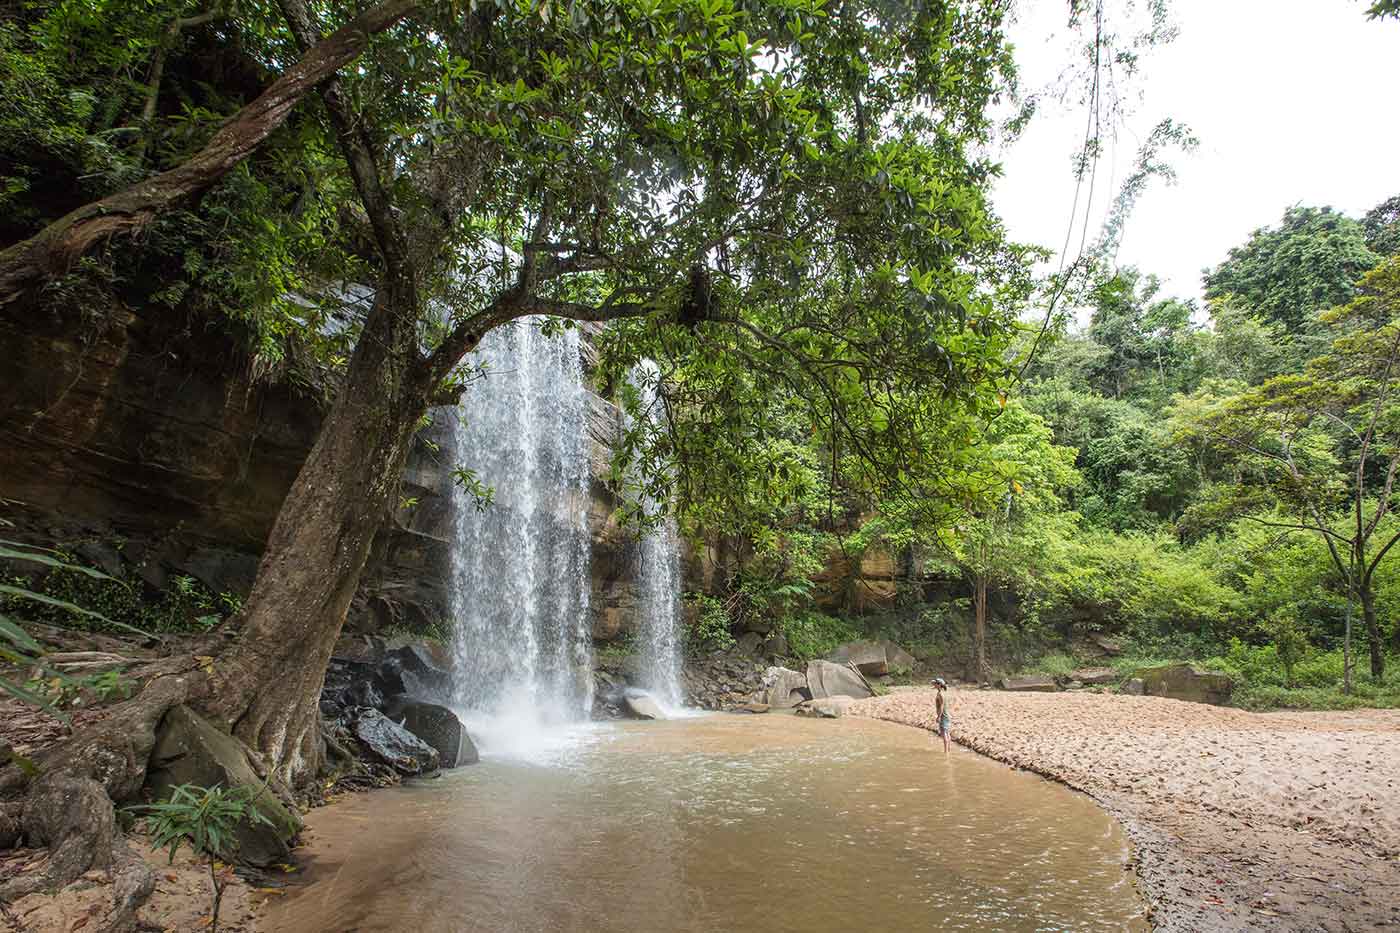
(724, 823)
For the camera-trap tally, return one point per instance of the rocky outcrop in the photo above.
(722, 681)
(826, 679)
(1094, 676)
(1187, 682)
(439, 728)
(394, 745)
(1033, 683)
(874, 658)
(868, 656)
(783, 688)
(190, 750)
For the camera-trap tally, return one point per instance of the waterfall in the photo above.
(520, 565)
(659, 579)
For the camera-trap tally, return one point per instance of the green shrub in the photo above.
(710, 632)
(185, 605)
(814, 635)
(1055, 665)
(206, 819)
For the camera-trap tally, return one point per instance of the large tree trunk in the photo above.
(51, 251)
(268, 685)
(1373, 632)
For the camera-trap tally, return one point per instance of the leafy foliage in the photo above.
(1288, 274)
(206, 819)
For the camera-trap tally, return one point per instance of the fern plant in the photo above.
(206, 819)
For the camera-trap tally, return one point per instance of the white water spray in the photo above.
(659, 580)
(520, 566)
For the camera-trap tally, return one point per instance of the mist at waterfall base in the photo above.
(523, 651)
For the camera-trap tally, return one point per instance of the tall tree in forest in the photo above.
(1318, 452)
(1022, 477)
(1289, 273)
(1381, 225)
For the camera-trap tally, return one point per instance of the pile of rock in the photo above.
(723, 681)
(384, 713)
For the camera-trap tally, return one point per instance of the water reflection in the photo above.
(725, 823)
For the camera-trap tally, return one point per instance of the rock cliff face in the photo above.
(156, 442)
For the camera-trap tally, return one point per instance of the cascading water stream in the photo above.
(659, 580)
(520, 565)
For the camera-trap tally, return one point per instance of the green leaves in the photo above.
(204, 818)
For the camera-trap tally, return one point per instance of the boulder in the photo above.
(1031, 682)
(832, 707)
(409, 670)
(642, 705)
(784, 689)
(752, 708)
(1095, 675)
(868, 656)
(394, 745)
(749, 644)
(1186, 682)
(826, 679)
(899, 660)
(1135, 687)
(439, 727)
(190, 750)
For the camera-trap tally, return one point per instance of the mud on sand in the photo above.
(1239, 821)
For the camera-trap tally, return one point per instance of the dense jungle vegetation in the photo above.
(1205, 482)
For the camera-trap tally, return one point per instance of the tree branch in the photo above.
(53, 250)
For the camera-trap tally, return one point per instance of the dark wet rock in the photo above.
(394, 745)
(1030, 683)
(362, 649)
(410, 670)
(825, 679)
(190, 750)
(439, 727)
(1135, 687)
(1187, 682)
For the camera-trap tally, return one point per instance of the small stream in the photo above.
(722, 823)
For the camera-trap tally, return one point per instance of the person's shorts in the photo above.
(945, 722)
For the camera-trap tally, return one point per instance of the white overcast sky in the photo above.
(1293, 101)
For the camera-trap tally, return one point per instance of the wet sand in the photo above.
(1239, 821)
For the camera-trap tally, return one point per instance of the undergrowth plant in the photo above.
(206, 819)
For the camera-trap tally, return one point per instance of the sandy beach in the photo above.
(1239, 821)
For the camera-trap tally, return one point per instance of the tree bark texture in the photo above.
(1373, 632)
(979, 600)
(52, 251)
(268, 685)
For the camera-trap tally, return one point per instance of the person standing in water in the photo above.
(944, 709)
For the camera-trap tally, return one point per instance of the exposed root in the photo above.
(69, 807)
